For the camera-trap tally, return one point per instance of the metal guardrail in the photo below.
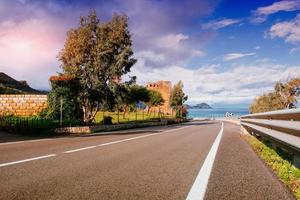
(288, 114)
(281, 127)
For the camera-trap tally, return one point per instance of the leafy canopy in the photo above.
(178, 97)
(97, 54)
(155, 98)
(284, 96)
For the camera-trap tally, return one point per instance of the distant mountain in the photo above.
(198, 106)
(8, 85)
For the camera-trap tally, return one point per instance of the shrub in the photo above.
(64, 89)
(107, 120)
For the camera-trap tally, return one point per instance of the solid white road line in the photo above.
(199, 187)
(89, 147)
(26, 160)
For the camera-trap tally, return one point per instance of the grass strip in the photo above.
(285, 170)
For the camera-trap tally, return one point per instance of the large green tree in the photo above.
(98, 54)
(178, 98)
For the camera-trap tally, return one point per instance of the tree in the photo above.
(97, 54)
(155, 99)
(135, 94)
(139, 94)
(284, 96)
(288, 92)
(267, 102)
(178, 98)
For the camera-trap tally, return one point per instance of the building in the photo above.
(165, 88)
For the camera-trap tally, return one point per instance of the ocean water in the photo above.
(216, 112)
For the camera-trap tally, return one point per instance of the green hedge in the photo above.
(32, 125)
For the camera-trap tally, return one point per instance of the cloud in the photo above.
(238, 84)
(168, 49)
(294, 50)
(164, 38)
(32, 32)
(27, 54)
(220, 23)
(172, 40)
(287, 30)
(260, 14)
(167, 36)
(31, 36)
(234, 56)
(257, 47)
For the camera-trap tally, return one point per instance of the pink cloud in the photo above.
(29, 48)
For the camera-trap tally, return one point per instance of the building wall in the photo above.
(165, 88)
(22, 104)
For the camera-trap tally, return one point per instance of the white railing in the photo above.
(281, 127)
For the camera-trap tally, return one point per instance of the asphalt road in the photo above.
(150, 163)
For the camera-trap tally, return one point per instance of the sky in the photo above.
(226, 52)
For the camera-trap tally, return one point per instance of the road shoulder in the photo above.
(245, 175)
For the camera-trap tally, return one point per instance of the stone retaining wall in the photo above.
(22, 104)
(93, 129)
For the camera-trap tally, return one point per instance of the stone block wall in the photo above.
(22, 104)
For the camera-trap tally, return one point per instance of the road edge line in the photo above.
(198, 189)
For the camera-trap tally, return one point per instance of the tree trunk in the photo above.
(89, 112)
(125, 111)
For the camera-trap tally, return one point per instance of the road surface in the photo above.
(198, 160)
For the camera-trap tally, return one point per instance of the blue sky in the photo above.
(225, 52)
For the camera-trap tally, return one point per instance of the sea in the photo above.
(216, 112)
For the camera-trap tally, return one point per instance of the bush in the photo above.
(107, 120)
(181, 112)
(64, 89)
(32, 125)
(184, 112)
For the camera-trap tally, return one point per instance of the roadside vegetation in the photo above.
(136, 116)
(284, 96)
(33, 125)
(95, 57)
(287, 173)
(177, 100)
(89, 90)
